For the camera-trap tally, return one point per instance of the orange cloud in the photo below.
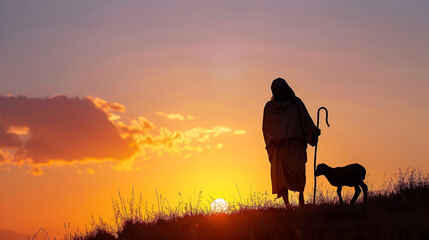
(18, 130)
(106, 106)
(36, 171)
(239, 132)
(59, 129)
(165, 140)
(2, 156)
(175, 116)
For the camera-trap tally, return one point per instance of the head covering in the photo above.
(279, 83)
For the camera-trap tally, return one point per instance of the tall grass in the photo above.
(132, 219)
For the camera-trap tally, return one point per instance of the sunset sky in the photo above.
(168, 96)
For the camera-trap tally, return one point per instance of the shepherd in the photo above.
(287, 129)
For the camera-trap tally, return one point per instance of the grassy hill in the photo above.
(400, 213)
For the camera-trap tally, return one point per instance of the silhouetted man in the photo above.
(287, 128)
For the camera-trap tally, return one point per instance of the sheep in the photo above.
(351, 175)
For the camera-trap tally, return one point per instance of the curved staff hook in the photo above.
(315, 151)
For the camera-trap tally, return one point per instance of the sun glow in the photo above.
(219, 206)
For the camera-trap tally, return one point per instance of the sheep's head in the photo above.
(321, 169)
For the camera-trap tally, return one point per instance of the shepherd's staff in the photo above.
(315, 151)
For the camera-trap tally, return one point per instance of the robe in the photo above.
(290, 122)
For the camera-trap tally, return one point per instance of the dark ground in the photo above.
(403, 214)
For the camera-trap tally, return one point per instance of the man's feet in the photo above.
(301, 199)
(285, 196)
(286, 200)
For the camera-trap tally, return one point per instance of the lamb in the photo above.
(351, 175)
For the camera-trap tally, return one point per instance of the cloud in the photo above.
(59, 129)
(175, 116)
(106, 106)
(2, 156)
(36, 171)
(218, 146)
(163, 140)
(137, 126)
(239, 132)
(36, 132)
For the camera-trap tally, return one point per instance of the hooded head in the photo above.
(281, 90)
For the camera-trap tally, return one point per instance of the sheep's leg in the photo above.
(357, 192)
(339, 194)
(365, 190)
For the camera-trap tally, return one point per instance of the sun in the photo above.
(219, 206)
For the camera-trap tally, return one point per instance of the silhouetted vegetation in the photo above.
(400, 211)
